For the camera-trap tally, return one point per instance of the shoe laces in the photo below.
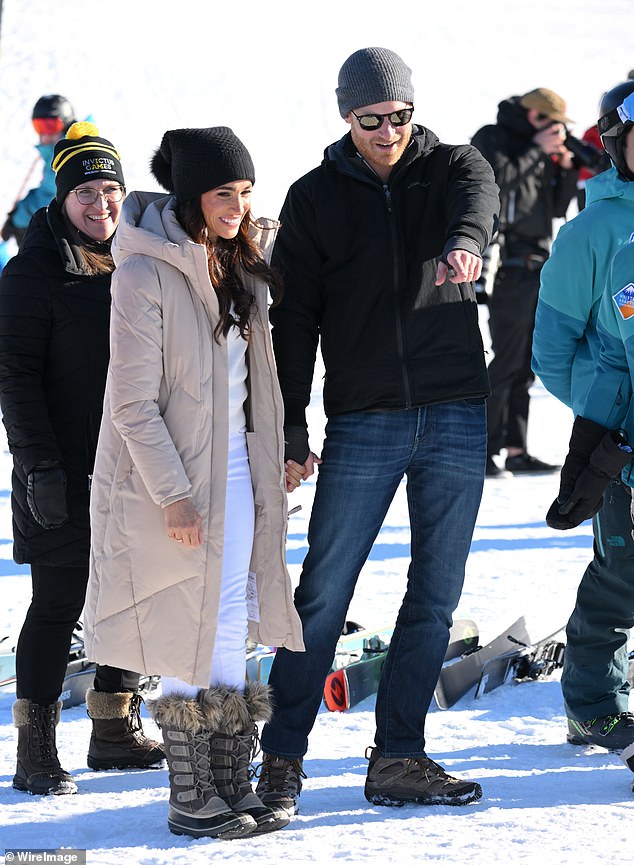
(612, 721)
(43, 723)
(426, 768)
(280, 773)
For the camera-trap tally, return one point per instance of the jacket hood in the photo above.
(608, 184)
(513, 116)
(343, 154)
(148, 226)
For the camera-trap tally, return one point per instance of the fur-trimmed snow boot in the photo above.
(117, 740)
(232, 748)
(38, 769)
(195, 806)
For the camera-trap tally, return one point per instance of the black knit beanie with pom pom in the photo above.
(190, 162)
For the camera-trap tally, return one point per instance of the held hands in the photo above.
(46, 495)
(461, 266)
(183, 523)
(299, 460)
(596, 455)
(296, 473)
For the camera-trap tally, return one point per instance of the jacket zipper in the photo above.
(400, 338)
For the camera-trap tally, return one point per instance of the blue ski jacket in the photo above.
(41, 195)
(609, 396)
(565, 341)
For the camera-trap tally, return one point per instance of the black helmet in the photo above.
(615, 121)
(54, 105)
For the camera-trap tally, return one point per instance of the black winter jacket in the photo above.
(534, 189)
(359, 258)
(54, 350)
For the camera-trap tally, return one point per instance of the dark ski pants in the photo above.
(44, 641)
(511, 322)
(594, 679)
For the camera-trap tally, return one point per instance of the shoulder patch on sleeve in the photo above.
(624, 300)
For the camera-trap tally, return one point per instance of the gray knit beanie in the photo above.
(373, 75)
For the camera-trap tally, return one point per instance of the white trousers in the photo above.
(228, 660)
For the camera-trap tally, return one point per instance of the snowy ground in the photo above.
(544, 800)
(143, 67)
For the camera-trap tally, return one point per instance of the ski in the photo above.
(80, 672)
(347, 685)
(523, 663)
(459, 676)
(349, 648)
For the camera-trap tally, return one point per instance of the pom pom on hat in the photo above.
(82, 128)
(81, 156)
(190, 162)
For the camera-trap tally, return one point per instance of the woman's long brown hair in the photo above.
(225, 258)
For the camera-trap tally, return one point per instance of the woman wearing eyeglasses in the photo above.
(189, 493)
(54, 330)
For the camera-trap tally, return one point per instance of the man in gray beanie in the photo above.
(379, 249)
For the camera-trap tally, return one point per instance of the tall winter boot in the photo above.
(117, 740)
(232, 747)
(38, 769)
(195, 806)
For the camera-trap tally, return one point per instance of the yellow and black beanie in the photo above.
(190, 162)
(83, 156)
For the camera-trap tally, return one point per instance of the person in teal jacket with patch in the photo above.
(566, 354)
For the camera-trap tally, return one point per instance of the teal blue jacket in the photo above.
(609, 397)
(41, 195)
(565, 340)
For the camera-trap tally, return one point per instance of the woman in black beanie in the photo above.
(54, 315)
(189, 491)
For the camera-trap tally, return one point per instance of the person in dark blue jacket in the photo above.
(580, 352)
(379, 249)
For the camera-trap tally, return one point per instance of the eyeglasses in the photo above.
(48, 125)
(394, 118)
(88, 195)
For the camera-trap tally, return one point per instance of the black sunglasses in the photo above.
(394, 118)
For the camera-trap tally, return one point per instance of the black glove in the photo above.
(296, 444)
(46, 495)
(596, 456)
(10, 230)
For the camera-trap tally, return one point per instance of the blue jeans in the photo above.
(441, 449)
(594, 678)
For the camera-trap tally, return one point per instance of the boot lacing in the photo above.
(43, 725)
(277, 774)
(134, 718)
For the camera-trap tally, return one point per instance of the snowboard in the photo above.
(349, 684)
(462, 674)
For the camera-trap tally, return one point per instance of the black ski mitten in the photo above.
(46, 495)
(595, 456)
(296, 444)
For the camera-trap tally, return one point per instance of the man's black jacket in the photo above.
(359, 258)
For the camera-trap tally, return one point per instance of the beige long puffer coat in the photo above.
(152, 604)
